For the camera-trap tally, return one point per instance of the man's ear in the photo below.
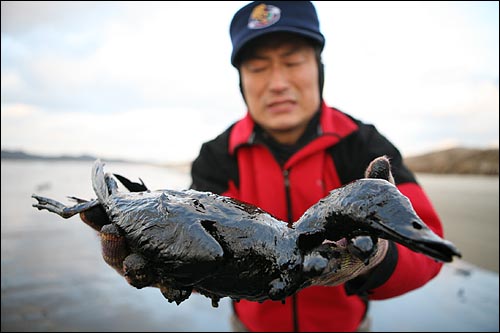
(241, 86)
(380, 168)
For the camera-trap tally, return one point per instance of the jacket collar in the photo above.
(333, 123)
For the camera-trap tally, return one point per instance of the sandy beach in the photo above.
(468, 208)
(54, 278)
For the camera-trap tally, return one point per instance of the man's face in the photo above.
(281, 87)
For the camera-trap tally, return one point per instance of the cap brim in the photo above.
(305, 33)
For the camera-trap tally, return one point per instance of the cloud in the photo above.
(156, 135)
(24, 17)
(11, 81)
(151, 54)
(153, 80)
(464, 114)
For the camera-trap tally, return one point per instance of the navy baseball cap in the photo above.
(262, 17)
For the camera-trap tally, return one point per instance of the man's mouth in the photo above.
(281, 105)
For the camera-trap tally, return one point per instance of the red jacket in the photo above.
(239, 165)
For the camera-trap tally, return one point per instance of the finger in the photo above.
(114, 247)
(363, 247)
(348, 267)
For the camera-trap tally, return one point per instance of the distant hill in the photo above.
(20, 155)
(456, 161)
(449, 161)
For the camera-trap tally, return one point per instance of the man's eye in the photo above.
(256, 68)
(293, 63)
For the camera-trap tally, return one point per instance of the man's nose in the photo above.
(278, 80)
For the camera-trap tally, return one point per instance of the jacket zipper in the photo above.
(290, 221)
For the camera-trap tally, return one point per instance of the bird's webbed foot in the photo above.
(61, 209)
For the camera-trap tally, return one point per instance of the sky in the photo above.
(152, 81)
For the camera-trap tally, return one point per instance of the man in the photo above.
(289, 151)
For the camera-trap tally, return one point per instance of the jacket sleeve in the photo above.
(402, 270)
(413, 270)
(215, 170)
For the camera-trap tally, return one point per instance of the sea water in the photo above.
(54, 278)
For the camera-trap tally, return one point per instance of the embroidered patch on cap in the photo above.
(263, 16)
